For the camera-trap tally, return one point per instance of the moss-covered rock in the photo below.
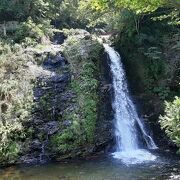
(83, 54)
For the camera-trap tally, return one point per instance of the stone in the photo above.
(54, 62)
(29, 159)
(37, 121)
(67, 123)
(36, 144)
(51, 127)
(58, 38)
(60, 79)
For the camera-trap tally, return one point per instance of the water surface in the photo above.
(102, 168)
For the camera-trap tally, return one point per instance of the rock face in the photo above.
(49, 98)
(104, 128)
(71, 114)
(86, 123)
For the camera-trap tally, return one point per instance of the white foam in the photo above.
(134, 156)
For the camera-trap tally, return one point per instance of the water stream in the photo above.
(128, 146)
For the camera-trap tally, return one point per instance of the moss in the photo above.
(69, 139)
(83, 55)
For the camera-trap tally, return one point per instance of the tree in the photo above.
(136, 5)
(20, 10)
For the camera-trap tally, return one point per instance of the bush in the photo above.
(9, 147)
(31, 33)
(170, 122)
(16, 100)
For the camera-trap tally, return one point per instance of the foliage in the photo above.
(9, 147)
(172, 17)
(21, 10)
(77, 14)
(149, 68)
(155, 67)
(29, 32)
(170, 121)
(16, 100)
(138, 6)
(117, 12)
(67, 14)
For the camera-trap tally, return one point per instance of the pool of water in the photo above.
(165, 166)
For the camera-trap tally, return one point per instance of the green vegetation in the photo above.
(149, 47)
(83, 54)
(16, 100)
(135, 5)
(32, 33)
(171, 121)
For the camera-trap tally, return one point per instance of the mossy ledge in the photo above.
(84, 53)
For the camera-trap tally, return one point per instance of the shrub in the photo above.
(170, 121)
(9, 147)
(31, 33)
(16, 100)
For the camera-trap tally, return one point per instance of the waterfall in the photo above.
(126, 118)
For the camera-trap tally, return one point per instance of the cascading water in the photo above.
(126, 118)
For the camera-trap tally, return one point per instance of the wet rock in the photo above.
(58, 38)
(67, 96)
(38, 92)
(53, 99)
(54, 62)
(36, 144)
(51, 127)
(60, 79)
(43, 50)
(175, 177)
(37, 121)
(67, 123)
(29, 159)
(175, 169)
(50, 97)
